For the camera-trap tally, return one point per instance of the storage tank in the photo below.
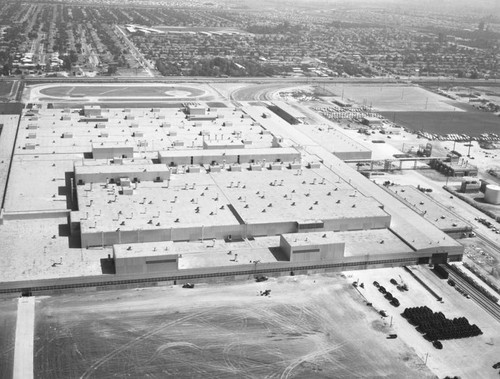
(492, 194)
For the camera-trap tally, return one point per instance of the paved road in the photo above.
(261, 80)
(136, 53)
(25, 329)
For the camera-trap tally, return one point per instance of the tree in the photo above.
(73, 56)
(6, 69)
(112, 69)
(66, 65)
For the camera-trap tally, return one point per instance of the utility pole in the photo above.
(255, 266)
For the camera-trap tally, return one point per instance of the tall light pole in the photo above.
(255, 266)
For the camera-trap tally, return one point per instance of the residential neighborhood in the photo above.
(219, 39)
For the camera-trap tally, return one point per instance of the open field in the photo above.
(8, 314)
(129, 103)
(121, 91)
(11, 108)
(87, 93)
(387, 98)
(472, 123)
(5, 88)
(491, 90)
(310, 327)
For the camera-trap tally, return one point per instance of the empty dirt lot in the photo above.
(310, 327)
(394, 97)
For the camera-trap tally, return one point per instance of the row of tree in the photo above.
(219, 66)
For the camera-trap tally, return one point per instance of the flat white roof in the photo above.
(294, 195)
(222, 152)
(118, 168)
(314, 238)
(107, 145)
(145, 249)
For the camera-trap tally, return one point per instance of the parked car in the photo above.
(437, 344)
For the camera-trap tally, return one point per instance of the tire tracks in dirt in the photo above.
(88, 373)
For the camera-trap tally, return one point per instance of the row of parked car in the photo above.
(393, 300)
(488, 224)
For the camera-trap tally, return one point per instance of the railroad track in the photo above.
(489, 306)
(488, 242)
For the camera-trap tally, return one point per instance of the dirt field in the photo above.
(5, 88)
(8, 314)
(310, 327)
(387, 98)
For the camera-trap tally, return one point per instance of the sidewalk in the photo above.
(25, 328)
